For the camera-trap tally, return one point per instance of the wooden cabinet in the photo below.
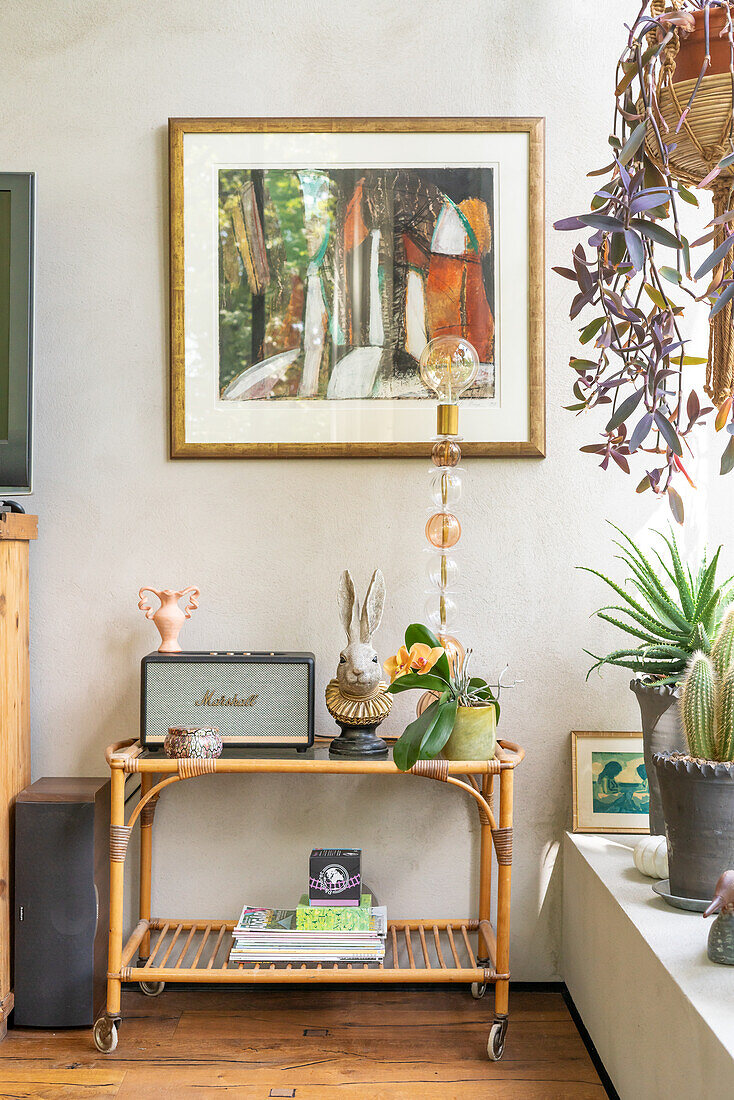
(15, 726)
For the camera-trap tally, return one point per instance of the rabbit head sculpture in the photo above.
(359, 672)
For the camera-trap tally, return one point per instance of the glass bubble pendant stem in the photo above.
(448, 366)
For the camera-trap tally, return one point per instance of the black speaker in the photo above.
(260, 700)
(62, 901)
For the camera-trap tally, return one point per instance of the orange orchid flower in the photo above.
(423, 658)
(398, 665)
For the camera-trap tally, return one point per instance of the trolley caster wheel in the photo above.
(105, 1035)
(478, 989)
(496, 1041)
(152, 989)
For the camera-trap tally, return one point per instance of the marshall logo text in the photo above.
(210, 700)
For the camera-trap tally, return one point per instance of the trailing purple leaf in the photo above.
(668, 432)
(641, 431)
(715, 257)
(635, 249)
(727, 458)
(656, 233)
(568, 224)
(722, 298)
(625, 409)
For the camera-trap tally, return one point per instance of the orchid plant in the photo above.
(423, 663)
(634, 353)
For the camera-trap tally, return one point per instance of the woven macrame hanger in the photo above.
(720, 367)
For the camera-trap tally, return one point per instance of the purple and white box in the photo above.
(335, 876)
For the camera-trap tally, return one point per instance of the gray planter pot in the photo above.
(698, 804)
(662, 731)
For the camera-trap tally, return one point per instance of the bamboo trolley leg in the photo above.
(503, 844)
(485, 862)
(105, 1029)
(146, 866)
(478, 989)
(147, 816)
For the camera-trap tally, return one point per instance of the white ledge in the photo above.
(659, 1013)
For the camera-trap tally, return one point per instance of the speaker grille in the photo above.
(251, 702)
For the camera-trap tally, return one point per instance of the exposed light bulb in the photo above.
(448, 366)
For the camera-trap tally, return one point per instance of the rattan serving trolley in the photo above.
(180, 950)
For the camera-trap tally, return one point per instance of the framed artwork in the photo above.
(313, 259)
(610, 791)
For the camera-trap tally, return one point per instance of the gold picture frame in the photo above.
(532, 446)
(620, 753)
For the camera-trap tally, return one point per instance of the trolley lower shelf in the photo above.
(415, 951)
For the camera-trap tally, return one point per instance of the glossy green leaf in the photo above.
(436, 737)
(671, 275)
(653, 293)
(589, 332)
(413, 682)
(407, 748)
(687, 195)
(633, 143)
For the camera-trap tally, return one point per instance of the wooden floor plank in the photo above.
(19, 1080)
(245, 1042)
(136, 1088)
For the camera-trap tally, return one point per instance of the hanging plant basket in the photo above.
(674, 133)
(696, 100)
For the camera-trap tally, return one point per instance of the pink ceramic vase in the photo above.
(169, 618)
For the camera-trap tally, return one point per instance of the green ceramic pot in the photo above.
(474, 734)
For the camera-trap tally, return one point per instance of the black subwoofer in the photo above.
(62, 886)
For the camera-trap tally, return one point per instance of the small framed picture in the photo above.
(610, 791)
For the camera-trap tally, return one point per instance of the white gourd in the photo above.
(651, 857)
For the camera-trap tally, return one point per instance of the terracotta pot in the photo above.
(689, 62)
(662, 731)
(698, 804)
(474, 734)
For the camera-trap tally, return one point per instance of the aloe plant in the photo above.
(707, 705)
(673, 612)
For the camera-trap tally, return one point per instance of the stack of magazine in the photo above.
(350, 933)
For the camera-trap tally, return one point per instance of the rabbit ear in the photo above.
(346, 600)
(374, 602)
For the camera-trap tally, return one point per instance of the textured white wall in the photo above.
(87, 90)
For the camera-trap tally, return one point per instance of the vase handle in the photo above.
(192, 600)
(143, 604)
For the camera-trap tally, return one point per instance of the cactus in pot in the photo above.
(699, 707)
(698, 790)
(707, 704)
